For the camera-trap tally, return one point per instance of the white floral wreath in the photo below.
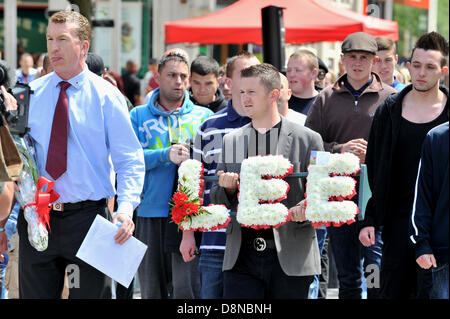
(187, 210)
(328, 190)
(261, 190)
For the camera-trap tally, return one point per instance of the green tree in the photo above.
(412, 23)
(442, 20)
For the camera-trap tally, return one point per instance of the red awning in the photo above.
(304, 21)
(422, 4)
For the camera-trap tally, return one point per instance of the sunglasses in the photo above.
(321, 74)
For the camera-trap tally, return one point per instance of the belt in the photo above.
(62, 207)
(259, 243)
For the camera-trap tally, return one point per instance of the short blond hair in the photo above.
(311, 58)
(230, 64)
(83, 31)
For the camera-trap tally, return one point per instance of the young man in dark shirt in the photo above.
(132, 85)
(284, 264)
(393, 153)
(204, 80)
(302, 70)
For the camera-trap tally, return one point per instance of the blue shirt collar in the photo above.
(232, 114)
(396, 82)
(76, 82)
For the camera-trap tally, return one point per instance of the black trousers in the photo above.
(41, 274)
(401, 277)
(121, 291)
(258, 275)
(325, 270)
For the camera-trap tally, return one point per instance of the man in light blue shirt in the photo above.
(100, 137)
(26, 73)
(387, 60)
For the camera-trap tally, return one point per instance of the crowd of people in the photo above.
(115, 142)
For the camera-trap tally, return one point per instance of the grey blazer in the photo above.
(296, 243)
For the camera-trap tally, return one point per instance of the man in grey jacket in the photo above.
(268, 263)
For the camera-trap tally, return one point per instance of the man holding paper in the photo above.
(89, 128)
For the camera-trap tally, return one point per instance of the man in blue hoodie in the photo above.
(163, 127)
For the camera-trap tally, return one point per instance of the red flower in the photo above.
(190, 208)
(182, 207)
(178, 214)
(180, 198)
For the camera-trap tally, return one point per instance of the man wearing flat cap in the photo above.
(342, 114)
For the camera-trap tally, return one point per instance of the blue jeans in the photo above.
(258, 275)
(351, 257)
(2, 276)
(2, 279)
(439, 289)
(211, 275)
(314, 288)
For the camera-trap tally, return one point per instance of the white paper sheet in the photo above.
(323, 158)
(319, 158)
(120, 262)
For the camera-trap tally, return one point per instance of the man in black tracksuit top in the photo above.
(429, 221)
(204, 80)
(398, 129)
(216, 105)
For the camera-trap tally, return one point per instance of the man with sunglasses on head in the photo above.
(319, 83)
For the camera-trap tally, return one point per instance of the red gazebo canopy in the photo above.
(304, 21)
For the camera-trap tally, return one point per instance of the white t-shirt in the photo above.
(296, 117)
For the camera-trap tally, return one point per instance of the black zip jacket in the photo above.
(218, 104)
(380, 149)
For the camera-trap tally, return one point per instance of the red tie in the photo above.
(57, 149)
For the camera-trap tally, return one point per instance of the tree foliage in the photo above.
(413, 22)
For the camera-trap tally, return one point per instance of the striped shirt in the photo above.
(207, 149)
